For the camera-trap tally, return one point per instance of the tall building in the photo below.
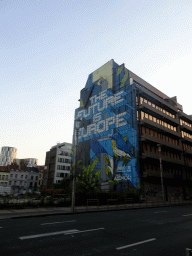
(127, 126)
(8, 154)
(58, 163)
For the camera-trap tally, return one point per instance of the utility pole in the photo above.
(77, 126)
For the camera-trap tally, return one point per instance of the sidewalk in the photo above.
(35, 212)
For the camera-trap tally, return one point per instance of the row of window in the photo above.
(158, 135)
(64, 160)
(186, 146)
(184, 122)
(158, 121)
(63, 167)
(188, 159)
(154, 149)
(153, 167)
(22, 176)
(186, 134)
(63, 153)
(3, 177)
(155, 106)
(61, 175)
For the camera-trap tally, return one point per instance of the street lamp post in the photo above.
(160, 160)
(77, 126)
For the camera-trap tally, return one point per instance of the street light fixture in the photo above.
(77, 126)
(160, 160)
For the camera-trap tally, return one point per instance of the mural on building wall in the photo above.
(109, 123)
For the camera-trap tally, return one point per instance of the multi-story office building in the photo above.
(128, 126)
(58, 162)
(8, 154)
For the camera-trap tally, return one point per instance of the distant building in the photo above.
(19, 180)
(8, 154)
(4, 177)
(29, 162)
(58, 162)
(42, 169)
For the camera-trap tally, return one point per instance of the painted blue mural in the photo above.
(107, 109)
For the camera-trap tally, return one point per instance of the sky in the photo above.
(49, 47)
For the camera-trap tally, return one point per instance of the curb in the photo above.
(84, 211)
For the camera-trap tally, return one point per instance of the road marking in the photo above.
(48, 234)
(57, 222)
(130, 245)
(161, 211)
(84, 231)
(66, 232)
(187, 215)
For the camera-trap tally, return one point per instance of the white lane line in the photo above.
(84, 231)
(160, 211)
(58, 222)
(187, 215)
(48, 234)
(130, 245)
(66, 232)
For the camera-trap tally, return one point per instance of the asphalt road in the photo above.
(155, 231)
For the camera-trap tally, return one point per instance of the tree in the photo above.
(89, 181)
(66, 185)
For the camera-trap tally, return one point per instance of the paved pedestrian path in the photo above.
(19, 213)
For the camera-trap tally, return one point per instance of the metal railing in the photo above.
(129, 203)
(112, 200)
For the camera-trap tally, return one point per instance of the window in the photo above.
(31, 177)
(21, 176)
(25, 176)
(6, 177)
(36, 177)
(11, 175)
(9, 182)
(15, 175)
(142, 114)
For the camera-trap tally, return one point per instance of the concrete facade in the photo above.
(58, 163)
